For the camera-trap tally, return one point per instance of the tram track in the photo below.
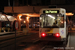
(53, 47)
(41, 45)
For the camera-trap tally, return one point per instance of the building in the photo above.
(23, 5)
(43, 2)
(33, 6)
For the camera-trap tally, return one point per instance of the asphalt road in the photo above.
(7, 42)
(43, 45)
(72, 41)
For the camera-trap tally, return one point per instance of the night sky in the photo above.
(3, 3)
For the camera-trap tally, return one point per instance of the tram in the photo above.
(53, 25)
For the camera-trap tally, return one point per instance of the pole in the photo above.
(15, 21)
(13, 3)
(15, 39)
(8, 2)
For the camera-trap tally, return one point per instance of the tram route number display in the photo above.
(51, 11)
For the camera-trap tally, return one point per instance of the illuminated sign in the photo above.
(51, 11)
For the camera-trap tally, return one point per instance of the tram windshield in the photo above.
(52, 21)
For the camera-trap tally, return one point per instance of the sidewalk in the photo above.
(6, 33)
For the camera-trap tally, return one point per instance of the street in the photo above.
(51, 45)
(72, 40)
(32, 42)
(37, 25)
(8, 42)
(41, 45)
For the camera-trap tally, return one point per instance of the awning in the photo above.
(7, 18)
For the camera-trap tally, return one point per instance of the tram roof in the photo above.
(61, 10)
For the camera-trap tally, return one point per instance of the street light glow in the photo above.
(20, 19)
(20, 15)
(69, 14)
(24, 21)
(28, 19)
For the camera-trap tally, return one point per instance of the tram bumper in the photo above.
(52, 39)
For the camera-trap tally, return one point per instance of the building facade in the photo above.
(33, 7)
(43, 2)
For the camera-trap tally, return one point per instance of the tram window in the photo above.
(50, 20)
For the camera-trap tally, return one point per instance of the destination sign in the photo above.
(51, 11)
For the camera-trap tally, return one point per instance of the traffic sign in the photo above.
(16, 25)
